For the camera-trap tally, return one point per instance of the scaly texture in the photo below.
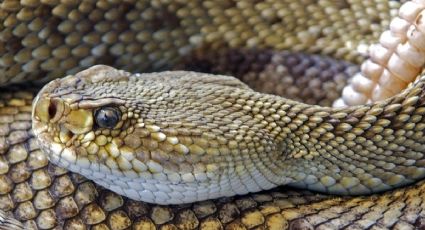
(48, 198)
(394, 62)
(178, 137)
(47, 51)
(69, 201)
(44, 39)
(312, 79)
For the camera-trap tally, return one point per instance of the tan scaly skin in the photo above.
(180, 137)
(47, 39)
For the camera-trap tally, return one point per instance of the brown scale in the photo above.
(57, 199)
(312, 79)
(44, 39)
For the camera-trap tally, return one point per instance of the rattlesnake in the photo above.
(54, 39)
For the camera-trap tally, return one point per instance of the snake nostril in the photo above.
(55, 109)
(52, 110)
(49, 110)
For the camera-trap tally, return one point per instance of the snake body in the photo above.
(51, 39)
(198, 137)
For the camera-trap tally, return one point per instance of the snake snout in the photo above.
(54, 110)
(48, 110)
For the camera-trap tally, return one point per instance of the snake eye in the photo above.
(107, 117)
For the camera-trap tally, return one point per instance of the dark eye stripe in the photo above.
(107, 117)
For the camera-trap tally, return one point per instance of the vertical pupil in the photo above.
(109, 118)
(105, 118)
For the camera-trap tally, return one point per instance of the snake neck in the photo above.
(351, 151)
(354, 150)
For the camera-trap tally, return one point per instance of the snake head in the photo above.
(79, 126)
(149, 137)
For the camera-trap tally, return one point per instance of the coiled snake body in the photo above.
(179, 137)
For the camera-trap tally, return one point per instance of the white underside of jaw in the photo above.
(394, 63)
(156, 188)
